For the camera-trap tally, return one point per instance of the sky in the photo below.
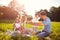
(34, 5)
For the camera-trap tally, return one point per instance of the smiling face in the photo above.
(42, 15)
(37, 15)
(17, 20)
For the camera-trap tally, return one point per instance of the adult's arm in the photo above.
(36, 23)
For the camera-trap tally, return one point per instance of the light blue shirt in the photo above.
(47, 25)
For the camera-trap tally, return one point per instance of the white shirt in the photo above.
(35, 19)
(17, 25)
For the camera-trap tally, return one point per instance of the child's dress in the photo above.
(17, 26)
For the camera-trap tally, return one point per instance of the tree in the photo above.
(7, 13)
(17, 6)
(55, 13)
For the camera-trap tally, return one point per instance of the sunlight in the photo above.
(34, 5)
(31, 6)
(5, 2)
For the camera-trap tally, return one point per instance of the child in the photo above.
(36, 19)
(17, 24)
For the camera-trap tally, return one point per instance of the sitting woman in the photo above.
(23, 24)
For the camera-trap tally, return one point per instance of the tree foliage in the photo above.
(7, 13)
(54, 13)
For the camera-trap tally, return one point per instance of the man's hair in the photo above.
(42, 13)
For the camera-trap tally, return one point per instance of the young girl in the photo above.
(36, 19)
(17, 24)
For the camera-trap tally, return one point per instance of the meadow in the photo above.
(55, 34)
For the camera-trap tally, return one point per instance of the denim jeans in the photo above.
(42, 34)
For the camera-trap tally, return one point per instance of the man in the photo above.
(45, 22)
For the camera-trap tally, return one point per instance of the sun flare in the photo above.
(31, 6)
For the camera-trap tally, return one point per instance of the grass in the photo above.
(55, 26)
(6, 26)
(55, 35)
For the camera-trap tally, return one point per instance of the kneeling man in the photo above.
(46, 22)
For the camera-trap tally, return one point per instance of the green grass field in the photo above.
(55, 34)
